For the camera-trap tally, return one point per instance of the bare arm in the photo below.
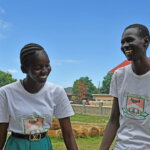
(112, 126)
(68, 134)
(3, 134)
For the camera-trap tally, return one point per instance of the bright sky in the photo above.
(81, 37)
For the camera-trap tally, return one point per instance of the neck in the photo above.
(31, 86)
(141, 66)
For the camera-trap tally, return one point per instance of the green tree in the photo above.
(5, 78)
(106, 84)
(84, 88)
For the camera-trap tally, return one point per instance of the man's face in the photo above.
(132, 44)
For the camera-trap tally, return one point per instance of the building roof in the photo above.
(124, 63)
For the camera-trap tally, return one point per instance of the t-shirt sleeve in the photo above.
(113, 86)
(4, 115)
(63, 107)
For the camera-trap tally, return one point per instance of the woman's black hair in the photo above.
(27, 51)
(143, 30)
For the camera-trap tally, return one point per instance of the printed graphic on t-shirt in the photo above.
(33, 124)
(135, 107)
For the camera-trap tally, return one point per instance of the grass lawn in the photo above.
(81, 118)
(89, 143)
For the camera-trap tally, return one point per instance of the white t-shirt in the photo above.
(133, 93)
(29, 113)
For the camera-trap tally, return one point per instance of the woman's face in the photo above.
(39, 68)
(132, 44)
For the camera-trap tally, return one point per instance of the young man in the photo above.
(130, 85)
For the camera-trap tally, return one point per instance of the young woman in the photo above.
(130, 117)
(27, 106)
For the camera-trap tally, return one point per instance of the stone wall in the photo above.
(92, 110)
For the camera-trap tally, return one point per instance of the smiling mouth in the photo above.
(43, 77)
(128, 52)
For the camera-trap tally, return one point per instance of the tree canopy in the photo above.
(84, 88)
(5, 78)
(106, 84)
